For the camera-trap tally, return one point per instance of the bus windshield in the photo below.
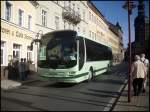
(57, 51)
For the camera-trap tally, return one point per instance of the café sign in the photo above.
(15, 33)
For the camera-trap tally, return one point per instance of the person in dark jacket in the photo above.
(10, 71)
(16, 70)
(21, 68)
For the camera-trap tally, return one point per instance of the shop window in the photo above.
(16, 51)
(29, 54)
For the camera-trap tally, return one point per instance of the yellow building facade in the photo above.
(97, 25)
(17, 30)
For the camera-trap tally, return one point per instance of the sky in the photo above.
(113, 12)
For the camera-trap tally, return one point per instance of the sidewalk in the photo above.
(9, 84)
(138, 103)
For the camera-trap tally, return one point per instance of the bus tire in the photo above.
(90, 74)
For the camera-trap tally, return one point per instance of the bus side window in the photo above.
(81, 53)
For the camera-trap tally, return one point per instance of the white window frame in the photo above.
(29, 52)
(44, 17)
(22, 18)
(10, 12)
(57, 22)
(29, 22)
(17, 50)
(89, 15)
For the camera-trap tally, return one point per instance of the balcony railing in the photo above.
(71, 15)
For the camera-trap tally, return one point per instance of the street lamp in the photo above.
(39, 34)
(36, 41)
(129, 6)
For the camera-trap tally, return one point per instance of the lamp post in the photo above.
(129, 6)
(37, 42)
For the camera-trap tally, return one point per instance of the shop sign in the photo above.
(15, 33)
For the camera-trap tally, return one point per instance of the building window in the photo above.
(29, 54)
(44, 18)
(78, 9)
(29, 22)
(83, 14)
(16, 51)
(92, 17)
(89, 15)
(21, 17)
(8, 11)
(57, 22)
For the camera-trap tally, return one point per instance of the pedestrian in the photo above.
(10, 71)
(16, 71)
(21, 68)
(146, 63)
(26, 68)
(138, 74)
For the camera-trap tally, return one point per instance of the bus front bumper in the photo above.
(69, 79)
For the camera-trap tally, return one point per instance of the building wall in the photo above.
(98, 28)
(56, 8)
(113, 42)
(12, 33)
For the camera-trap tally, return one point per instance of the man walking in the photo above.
(26, 68)
(22, 69)
(138, 73)
(146, 63)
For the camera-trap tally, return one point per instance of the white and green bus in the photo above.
(64, 56)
